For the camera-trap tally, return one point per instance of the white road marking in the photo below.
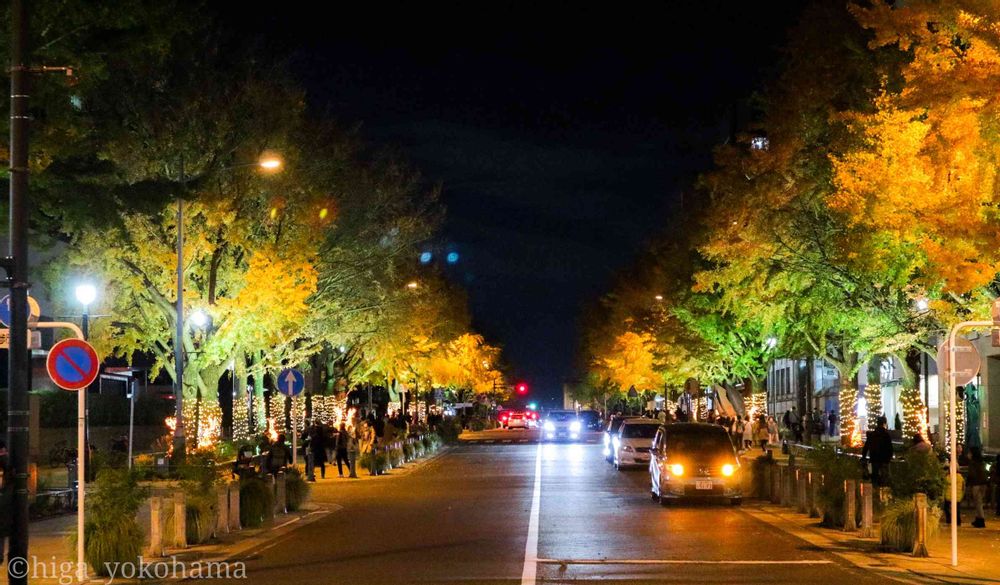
(675, 562)
(531, 545)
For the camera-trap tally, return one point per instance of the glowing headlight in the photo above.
(574, 427)
(549, 426)
(677, 469)
(728, 469)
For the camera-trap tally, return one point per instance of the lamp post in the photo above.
(267, 162)
(85, 295)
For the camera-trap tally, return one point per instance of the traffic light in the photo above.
(522, 388)
(532, 406)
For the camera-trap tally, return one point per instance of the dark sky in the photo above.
(562, 134)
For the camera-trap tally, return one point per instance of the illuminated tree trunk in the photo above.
(260, 409)
(873, 391)
(914, 415)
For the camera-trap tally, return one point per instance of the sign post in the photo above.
(72, 365)
(291, 382)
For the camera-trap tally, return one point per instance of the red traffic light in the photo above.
(522, 388)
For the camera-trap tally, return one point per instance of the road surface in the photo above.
(519, 512)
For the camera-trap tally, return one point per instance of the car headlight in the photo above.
(677, 469)
(728, 469)
(574, 427)
(549, 426)
(628, 448)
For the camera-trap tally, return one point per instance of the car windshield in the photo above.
(616, 424)
(639, 431)
(561, 416)
(699, 441)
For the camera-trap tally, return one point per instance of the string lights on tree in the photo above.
(848, 399)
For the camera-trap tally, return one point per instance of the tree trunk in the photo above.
(260, 409)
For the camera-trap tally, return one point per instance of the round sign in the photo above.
(291, 382)
(72, 364)
(34, 311)
(967, 362)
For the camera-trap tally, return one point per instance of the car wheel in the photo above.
(735, 501)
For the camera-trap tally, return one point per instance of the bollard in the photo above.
(920, 513)
(815, 481)
(222, 512)
(786, 486)
(234, 505)
(180, 520)
(801, 497)
(883, 494)
(155, 548)
(766, 472)
(279, 494)
(776, 484)
(867, 510)
(850, 505)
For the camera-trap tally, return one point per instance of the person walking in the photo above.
(807, 430)
(307, 435)
(760, 433)
(747, 433)
(278, 456)
(353, 448)
(342, 442)
(772, 431)
(878, 450)
(832, 418)
(978, 480)
(317, 448)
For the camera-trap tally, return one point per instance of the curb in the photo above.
(893, 566)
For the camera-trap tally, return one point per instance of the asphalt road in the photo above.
(466, 517)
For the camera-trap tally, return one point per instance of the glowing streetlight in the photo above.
(199, 319)
(269, 162)
(772, 342)
(412, 285)
(658, 297)
(86, 294)
(922, 304)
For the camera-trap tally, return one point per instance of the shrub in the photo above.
(256, 501)
(296, 489)
(200, 482)
(396, 457)
(836, 469)
(376, 463)
(408, 452)
(918, 473)
(449, 429)
(112, 534)
(477, 424)
(898, 526)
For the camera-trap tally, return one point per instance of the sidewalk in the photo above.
(51, 551)
(977, 549)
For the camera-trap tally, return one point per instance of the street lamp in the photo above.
(199, 319)
(412, 285)
(85, 295)
(267, 162)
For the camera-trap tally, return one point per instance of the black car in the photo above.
(591, 420)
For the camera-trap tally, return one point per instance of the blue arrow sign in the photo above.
(291, 382)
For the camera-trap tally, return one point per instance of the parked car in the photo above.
(633, 442)
(561, 424)
(694, 460)
(614, 423)
(517, 420)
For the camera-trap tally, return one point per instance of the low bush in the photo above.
(256, 501)
(375, 464)
(396, 457)
(112, 535)
(918, 473)
(477, 424)
(296, 489)
(898, 526)
(200, 482)
(449, 429)
(408, 452)
(836, 469)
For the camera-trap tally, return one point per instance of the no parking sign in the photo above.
(72, 364)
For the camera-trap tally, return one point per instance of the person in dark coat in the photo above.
(977, 479)
(278, 456)
(343, 440)
(317, 446)
(878, 450)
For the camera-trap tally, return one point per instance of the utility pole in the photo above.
(17, 279)
(179, 441)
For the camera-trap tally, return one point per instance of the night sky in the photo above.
(562, 135)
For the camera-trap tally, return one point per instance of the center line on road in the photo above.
(531, 546)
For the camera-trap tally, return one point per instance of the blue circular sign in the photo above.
(291, 382)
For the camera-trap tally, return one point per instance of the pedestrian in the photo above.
(353, 448)
(317, 448)
(946, 501)
(832, 418)
(343, 439)
(978, 481)
(878, 450)
(307, 450)
(760, 433)
(919, 445)
(772, 431)
(747, 433)
(278, 456)
(807, 427)
(786, 420)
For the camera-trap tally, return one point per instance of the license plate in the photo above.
(703, 484)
